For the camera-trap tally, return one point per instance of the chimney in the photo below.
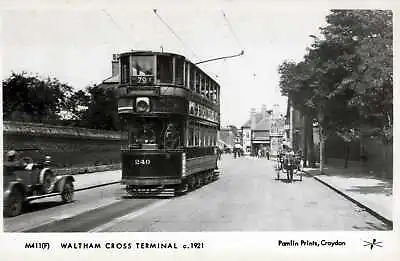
(115, 65)
(253, 118)
(264, 111)
(269, 114)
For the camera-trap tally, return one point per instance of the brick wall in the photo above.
(67, 146)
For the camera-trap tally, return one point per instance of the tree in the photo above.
(371, 34)
(102, 109)
(295, 83)
(28, 98)
(346, 78)
(77, 104)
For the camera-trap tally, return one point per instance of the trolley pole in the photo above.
(220, 58)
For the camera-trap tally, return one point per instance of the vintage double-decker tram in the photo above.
(170, 109)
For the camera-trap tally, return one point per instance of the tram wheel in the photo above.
(192, 183)
(181, 189)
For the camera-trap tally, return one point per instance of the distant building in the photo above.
(264, 131)
(228, 136)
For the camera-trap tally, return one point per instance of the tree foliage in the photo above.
(346, 78)
(102, 109)
(29, 98)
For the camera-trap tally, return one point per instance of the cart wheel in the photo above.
(67, 194)
(14, 204)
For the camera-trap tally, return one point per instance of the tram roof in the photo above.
(147, 52)
(144, 52)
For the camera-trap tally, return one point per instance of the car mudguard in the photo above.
(42, 172)
(11, 186)
(61, 180)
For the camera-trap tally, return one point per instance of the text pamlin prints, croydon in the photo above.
(311, 243)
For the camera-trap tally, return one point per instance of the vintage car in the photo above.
(25, 180)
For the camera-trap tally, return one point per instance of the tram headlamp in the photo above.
(142, 104)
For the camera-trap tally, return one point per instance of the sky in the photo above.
(74, 41)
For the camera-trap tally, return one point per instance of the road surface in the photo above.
(247, 197)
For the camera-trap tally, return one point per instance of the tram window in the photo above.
(191, 77)
(164, 69)
(172, 136)
(190, 136)
(196, 136)
(213, 96)
(207, 91)
(198, 76)
(142, 65)
(191, 111)
(203, 85)
(187, 74)
(143, 134)
(179, 71)
(124, 69)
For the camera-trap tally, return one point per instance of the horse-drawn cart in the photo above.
(289, 165)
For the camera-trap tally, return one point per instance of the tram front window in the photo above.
(142, 65)
(163, 133)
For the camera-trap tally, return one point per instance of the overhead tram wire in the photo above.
(237, 41)
(235, 36)
(119, 27)
(174, 33)
(232, 31)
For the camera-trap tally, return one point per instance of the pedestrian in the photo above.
(267, 154)
(290, 164)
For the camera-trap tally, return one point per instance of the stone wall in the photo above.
(68, 146)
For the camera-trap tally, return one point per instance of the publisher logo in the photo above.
(373, 243)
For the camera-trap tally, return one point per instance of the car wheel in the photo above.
(67, 194)
(14, 204)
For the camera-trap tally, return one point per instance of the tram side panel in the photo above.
(201, 164)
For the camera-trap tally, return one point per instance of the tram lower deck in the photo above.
(150, 171)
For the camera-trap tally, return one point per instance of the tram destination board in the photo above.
(142, 79)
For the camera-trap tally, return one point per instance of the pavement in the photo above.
(367, 190)
(77, 170)
(85, 181)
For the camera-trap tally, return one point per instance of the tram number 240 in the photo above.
(142, 162)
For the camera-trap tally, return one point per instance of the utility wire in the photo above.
(173, 32)
(119, 27)
(232, 31)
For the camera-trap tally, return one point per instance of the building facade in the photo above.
(264, 131)
(228, 137)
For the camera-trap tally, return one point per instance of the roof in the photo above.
(112, 80)
(264, 124)
(259, 117)
(148, 52)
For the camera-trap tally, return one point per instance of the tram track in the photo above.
(92, 219)
(47, 210)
